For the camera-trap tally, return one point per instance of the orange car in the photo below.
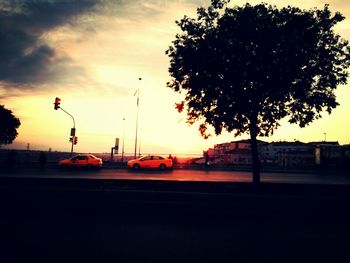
(82, 160)
(151, 161)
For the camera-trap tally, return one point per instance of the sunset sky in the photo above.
(91, 54)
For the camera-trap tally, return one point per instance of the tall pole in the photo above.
(123, 139)
(137, 117)
(139, 148)
(56, 107)
(71, 150)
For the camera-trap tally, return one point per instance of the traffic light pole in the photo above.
(71, 151)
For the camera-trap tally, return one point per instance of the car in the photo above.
(82, 160)
(151, 161)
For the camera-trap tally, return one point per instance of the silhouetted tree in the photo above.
(243, 69)
(8, 126)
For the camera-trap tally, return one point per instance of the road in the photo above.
(154, 216)
(186, 175)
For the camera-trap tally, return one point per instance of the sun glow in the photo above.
(106, 54)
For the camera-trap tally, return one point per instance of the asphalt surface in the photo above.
(199, 175)
(79, 220)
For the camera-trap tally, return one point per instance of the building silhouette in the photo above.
(282, 154)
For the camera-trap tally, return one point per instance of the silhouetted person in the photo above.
(42, 160)
(206, 156)
(174, 160)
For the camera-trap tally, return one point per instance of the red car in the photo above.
(82, 160)
(151, 161)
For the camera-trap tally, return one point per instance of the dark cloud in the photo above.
(24, 59)
(26, 62)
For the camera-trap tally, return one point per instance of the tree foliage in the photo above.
(8, 126)
(244, 68)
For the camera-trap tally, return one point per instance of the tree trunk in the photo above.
(255, 154)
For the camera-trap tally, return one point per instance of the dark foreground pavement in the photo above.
(59, 220)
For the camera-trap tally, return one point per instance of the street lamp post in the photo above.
(137, 117)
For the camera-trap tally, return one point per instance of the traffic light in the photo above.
(70, 139)
(75, 139)
(57, 103)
